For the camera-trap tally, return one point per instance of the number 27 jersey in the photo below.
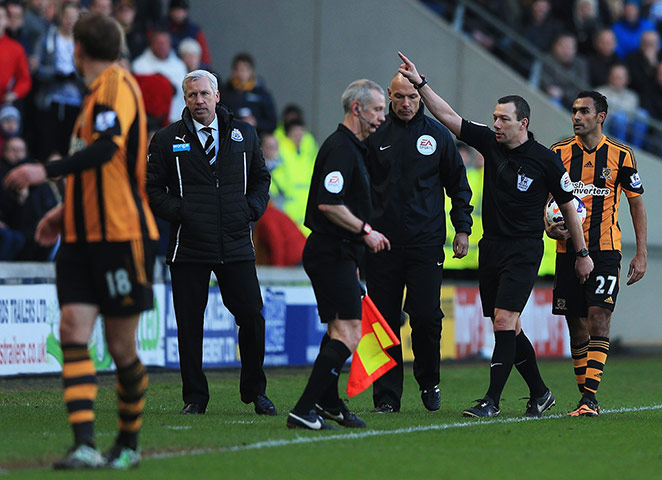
(598, 177)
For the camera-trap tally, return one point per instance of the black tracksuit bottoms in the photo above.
(420, 270)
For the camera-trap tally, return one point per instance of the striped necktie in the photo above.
(210, 147)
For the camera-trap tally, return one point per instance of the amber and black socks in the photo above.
(598, 349)
(80, 391)
(579, 358)
(131, 385)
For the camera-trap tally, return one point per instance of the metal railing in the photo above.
(528, 60)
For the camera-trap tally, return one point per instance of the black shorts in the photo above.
(331, 264)
(507, 270)
(115, 276)
(600, 290)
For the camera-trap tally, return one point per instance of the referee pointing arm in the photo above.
(520, 174)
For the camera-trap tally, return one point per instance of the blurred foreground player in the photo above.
(105, 263)
(338, 204)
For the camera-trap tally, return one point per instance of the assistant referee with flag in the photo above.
(338, 204)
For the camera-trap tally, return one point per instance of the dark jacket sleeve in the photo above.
(257, 186)
(100, 152)
(454, 179)
(165, 203)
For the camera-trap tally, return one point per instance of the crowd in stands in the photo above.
(612, 46)
(41, 95)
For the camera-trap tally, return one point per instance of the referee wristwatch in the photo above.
(582, 253)
(424, 82)
(366, 229)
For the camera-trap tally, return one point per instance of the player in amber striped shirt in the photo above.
(600, 169)
(106, 259)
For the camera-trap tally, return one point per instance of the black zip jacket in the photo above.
(209, 215)
(410, 165)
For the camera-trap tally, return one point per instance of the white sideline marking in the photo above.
(378, 433)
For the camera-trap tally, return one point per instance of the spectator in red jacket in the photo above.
(15, 82)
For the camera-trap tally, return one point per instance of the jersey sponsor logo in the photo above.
(236, 135)
(609, 300)
(426, 145)
(523, 182)
(582, 190)
(606, 173)
(382, 148)
(105, 120)
(334, 182)
(181, 139)
(635, 181)
(566, 183)
(588, 164)
(181, 147)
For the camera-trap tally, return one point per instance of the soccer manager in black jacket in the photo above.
(412, 159)
(206, 176)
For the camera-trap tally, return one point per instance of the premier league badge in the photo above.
(523, 182)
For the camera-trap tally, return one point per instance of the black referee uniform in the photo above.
(332, 253)
(517, 184)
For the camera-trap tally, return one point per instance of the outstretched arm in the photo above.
(437, 105)
(638, 264)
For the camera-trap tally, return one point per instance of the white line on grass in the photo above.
(377, 433)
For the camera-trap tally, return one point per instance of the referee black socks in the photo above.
(527, 366)
(501, 364)
(325, 373)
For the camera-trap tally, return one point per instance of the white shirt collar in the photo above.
(199, 126)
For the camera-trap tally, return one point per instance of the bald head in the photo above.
(404, 98)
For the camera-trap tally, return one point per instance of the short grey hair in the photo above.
(189, 45)
(359, 91)
(198, 74)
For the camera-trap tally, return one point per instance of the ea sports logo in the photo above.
(426, 145)
(334, 182)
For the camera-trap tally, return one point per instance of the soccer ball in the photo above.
(553, 212)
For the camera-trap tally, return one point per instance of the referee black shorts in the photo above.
(600, 290)
(115, 276)
(507, 270)
(331, 263)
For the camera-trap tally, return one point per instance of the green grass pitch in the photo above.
(230, 441)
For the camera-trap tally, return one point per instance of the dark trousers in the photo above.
(241, 295)
(420, 270)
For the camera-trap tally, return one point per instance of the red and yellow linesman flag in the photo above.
(370, 360)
